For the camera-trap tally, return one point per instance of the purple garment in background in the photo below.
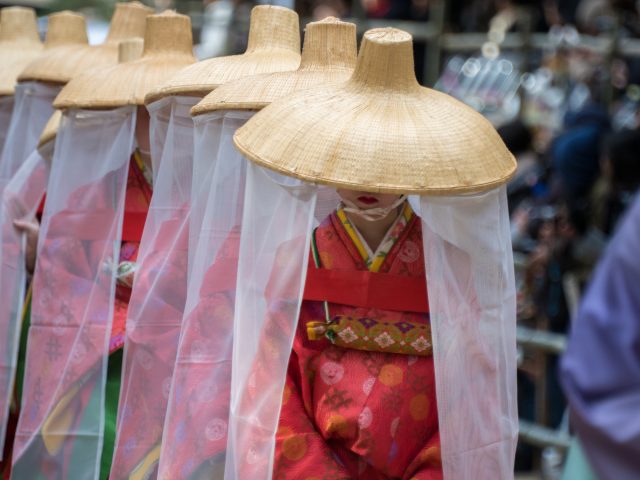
(600, 370)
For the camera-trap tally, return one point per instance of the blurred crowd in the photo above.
(573, 125)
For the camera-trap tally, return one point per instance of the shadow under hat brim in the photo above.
(122, 84)
(424, 142)
(201, 78)
(255, 93)
(61, 64)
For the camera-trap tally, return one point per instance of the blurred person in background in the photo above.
(600, 370)
(575, 152)
(620, 179)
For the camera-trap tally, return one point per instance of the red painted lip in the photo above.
(367, 200)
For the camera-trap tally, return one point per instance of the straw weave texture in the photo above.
(167, 49)
(380, 131)
(59, 65)
(128, 21)
(273, 46)
(128, 51)
(19, 44)
(328, 57)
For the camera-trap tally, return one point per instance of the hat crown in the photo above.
(273, 27)
(18, 24)
(168, 33)
(385, 62)
(329, 43)
(128, 20)
(66, 28)
(130, 49)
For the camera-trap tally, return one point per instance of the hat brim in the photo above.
(119, 85)
(201, 78)
(424, 142)
(61, 64)
(255, 93)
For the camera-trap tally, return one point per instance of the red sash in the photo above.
(361, 288)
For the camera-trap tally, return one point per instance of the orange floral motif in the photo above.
(294, 448)
(390, 375)
(419, 407)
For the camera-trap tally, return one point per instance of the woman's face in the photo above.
(368, 200)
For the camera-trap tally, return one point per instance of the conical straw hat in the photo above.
(59, 65)
(167, 49)
(273, 46)
(128, 51)
(380, 131)
(328, 57)
(65, 30)
(19, 44)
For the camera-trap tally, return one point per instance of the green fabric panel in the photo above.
(112, 393)
(82, 447)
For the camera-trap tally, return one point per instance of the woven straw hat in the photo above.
(128, 51)
(65, 31)
(328, 57)
(59, 65)
(273, 46)
(19, 44)
(380, 131)
(167, 49)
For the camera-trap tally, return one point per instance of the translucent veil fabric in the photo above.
(20, 201)
(472, 301)
(31, 111)
(60, 428)
(6, 109)
(194, 438)
(274, 250)
(159, 292)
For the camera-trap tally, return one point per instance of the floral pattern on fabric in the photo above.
(353, 414)
(371, 335)
(55, 331)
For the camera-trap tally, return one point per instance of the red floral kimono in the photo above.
(137, 200)
(359, 399)
(79, 383)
